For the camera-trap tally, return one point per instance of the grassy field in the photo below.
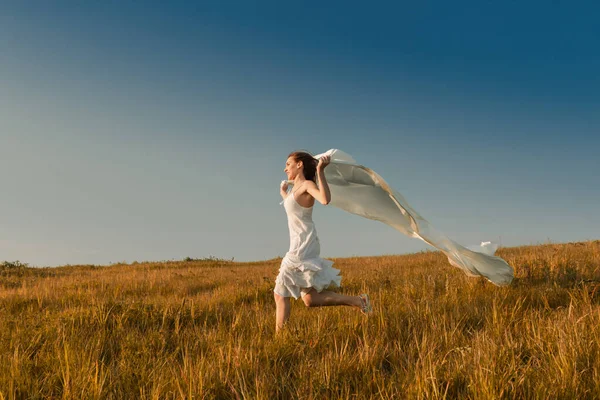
(205, 329)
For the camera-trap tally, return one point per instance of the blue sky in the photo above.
(160, 131)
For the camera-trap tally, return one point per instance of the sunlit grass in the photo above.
(206, 329)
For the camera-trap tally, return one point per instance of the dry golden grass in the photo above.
(205, 329)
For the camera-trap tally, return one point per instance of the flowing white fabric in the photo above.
(361, 191)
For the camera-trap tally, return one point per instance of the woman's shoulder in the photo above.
(305, 186)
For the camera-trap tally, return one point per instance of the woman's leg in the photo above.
(282, 312)
(327, 298)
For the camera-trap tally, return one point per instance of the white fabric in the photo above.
(302, 267)
(361, 191)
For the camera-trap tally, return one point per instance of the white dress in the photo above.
(302, 268)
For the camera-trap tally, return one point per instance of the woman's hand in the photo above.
(283, 186)
(323, 162)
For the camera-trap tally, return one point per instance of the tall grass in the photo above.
(204, 329)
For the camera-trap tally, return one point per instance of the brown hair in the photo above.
(309, 162)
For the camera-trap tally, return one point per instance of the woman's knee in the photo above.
(279, 299)
(308, 300)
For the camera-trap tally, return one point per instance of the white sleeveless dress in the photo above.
(302, 268)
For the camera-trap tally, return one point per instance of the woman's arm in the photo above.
(322, 193)
(283, 187)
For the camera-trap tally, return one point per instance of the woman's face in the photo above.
(292, 167)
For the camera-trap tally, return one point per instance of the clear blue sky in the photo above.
(159, 130)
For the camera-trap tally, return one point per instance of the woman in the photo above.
(303, 272)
